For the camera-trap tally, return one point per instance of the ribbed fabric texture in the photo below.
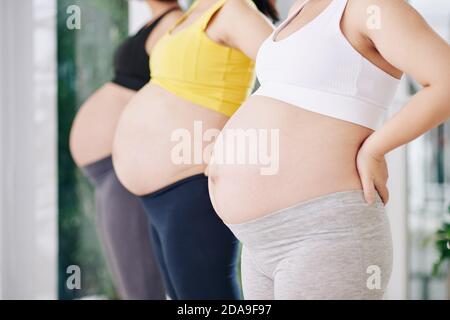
(317, 69)
(190, 65)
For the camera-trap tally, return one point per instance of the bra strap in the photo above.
(206, 18)
(339, 10)
(184, 16)
(156, 21)
(288, 20)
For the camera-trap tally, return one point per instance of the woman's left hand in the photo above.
(373, 173)
(408, 43)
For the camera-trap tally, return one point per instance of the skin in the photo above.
(93, 129)
(321, 155)
(142, 147)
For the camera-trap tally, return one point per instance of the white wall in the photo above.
(139, 14)
(437, 13)
(284, 6)
(397, 212)
(28, 214)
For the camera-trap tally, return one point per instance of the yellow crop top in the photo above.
(192, 66)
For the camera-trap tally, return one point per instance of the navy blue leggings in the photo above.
(197, 253)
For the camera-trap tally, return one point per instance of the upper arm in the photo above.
(405, 40)
(245, 27)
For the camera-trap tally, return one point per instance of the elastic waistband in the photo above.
(95, 171)
(328, 214)
(342, 198)
(130, 82)
(174, 185)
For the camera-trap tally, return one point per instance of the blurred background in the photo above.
(46, 207)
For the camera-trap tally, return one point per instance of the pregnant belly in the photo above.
(159, 140)
(92, 133)
(305, 155)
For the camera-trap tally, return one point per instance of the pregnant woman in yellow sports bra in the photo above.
(202, 69)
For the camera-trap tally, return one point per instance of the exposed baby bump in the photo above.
(271, 156)
(160, 143)
(93, 129)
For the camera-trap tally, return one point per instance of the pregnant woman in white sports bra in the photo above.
(315, 228)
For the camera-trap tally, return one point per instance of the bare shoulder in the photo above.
(384, 13)
(165, 24)
(171, 18)
(240, 8)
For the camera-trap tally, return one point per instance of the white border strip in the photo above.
(28, 201)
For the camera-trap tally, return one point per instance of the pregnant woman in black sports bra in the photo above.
(121, 222)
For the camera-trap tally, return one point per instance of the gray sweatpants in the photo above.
(123, 229)
(332, 247)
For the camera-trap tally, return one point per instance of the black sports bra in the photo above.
(131, 61)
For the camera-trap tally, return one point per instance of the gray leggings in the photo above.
(124, 233)
(332, 247)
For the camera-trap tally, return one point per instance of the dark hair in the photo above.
(268, 8)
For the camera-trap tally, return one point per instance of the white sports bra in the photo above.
(317, 69)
